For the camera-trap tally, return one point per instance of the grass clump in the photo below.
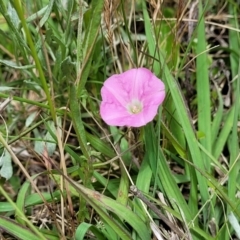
(65, 174)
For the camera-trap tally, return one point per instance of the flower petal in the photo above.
(154, 96)
(120, 117)
(142, 76)
(114, 115)
(149, 113)
(115, 86)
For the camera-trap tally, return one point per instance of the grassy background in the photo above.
(67, 175)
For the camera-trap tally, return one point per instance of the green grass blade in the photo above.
(13, 27)
(169, 135)
(21, 200)
(181, 108)
(22, 215)
(217, 120)
(17, 230)
(234, 42)
(224, 134)
(77, 121)
(19, 9)
(83, 228)
(108, 184)
(234, 147)
(233, 142)
(122, 196)
(99, 201)
(167, 181)
(32, 200)
(84, 55)
(203, 88)
(46, 13)
(100, 146)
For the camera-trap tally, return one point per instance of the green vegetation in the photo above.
(65, 174)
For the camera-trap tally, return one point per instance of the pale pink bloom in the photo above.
(131, 98)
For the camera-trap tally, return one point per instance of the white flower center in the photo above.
(135, 107)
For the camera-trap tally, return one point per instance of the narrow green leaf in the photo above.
(223, 135)
(203, 87)
(15, 66)
(77, 121)
(32, 200)
(47, 13)
(83, 228)
(24, 190)
(180, 150)
(143, 183)
(6, 165)
(217, 120)
(234, 42)
(92, 32)
(233, 141)
(12, 26)
(21, 15)
(122, 196)
(100, 146)
(36, 15)
(108, 184)
(16, 230)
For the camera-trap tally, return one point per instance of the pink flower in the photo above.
(131, 98)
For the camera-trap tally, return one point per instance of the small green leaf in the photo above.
(14, 65)
(83, 228)
(200, 135)
(6, 163)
